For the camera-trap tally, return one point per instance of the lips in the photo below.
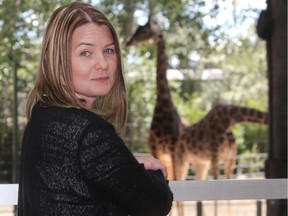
(101, 79)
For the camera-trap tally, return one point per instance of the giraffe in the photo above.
(168, 134)
(173, 142)
(210, 141)
(166, 124)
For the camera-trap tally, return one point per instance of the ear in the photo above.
(149, 18)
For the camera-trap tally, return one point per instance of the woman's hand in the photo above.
(151, 163)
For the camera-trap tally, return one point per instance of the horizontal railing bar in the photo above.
(229, 189)
(196, 190)
(8, 194)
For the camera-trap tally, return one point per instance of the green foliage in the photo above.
(187, 104)
(140, 87)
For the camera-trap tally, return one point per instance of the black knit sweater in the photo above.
(74, 163)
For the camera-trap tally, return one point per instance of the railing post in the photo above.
(199, 208)
(259, 207)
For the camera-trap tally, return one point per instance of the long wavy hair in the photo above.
(55, 67)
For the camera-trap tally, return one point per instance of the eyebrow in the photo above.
(91, 44)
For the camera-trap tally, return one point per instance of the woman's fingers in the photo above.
(151, 163)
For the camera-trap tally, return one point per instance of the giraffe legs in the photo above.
(201, 169)
(229, 168)
(230, 164)
(181, 166)
(181, 170)
(167, 160)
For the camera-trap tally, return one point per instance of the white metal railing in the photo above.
(8, 194)
(198, 190)
(229, 189)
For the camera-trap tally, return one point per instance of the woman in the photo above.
(73, 159)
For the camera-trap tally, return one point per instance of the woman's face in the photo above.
(94, 61)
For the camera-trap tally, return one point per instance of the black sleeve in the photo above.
(110, 165)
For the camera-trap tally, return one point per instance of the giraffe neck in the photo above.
(226, 116)
(163, 92)
(239, 114)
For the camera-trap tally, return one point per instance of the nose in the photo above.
(101, 62)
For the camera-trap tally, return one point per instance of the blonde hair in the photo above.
(54, 67)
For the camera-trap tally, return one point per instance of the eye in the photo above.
(85, 54)
(109, 51)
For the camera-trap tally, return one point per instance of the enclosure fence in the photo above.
(196, 190)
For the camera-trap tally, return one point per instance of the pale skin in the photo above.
(94, 68)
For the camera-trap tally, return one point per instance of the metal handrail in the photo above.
(197, 190)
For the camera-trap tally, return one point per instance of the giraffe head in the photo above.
(148, 31)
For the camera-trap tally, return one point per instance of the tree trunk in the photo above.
(272, 26)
